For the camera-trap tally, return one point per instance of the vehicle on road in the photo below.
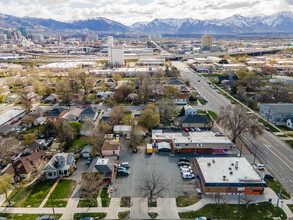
(219, 134)
(198, 80)
(186, 129)
(191, 129)
(268, 129)
(187, 175)
(218, 91)
(14, 121)
(183, 159)
(183, 163)
(119, 168)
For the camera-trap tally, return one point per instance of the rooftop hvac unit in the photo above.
(230, 168)
(214, 161)
(224, 177)
(209, 164)
(231, 172)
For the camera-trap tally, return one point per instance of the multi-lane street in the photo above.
(274, 153)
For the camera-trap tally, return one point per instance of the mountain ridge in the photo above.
(235, 24)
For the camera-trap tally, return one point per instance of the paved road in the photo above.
(276, 154)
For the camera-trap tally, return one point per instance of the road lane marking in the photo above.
(282, 167)
(280, 159)
(278, 152)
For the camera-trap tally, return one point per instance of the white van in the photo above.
(259, 166)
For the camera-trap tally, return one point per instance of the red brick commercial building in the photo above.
(228, 175)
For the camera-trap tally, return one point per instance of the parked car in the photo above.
(186, 170)
(117, 136)
(87, 218)
(122, 172)
(128, 136)
(268, 129)
(197, 129)
(202, 218)
(198, 191)
(183, 159)
(89, 160)
(125, 164)
(187, 175)
(186, 129)
(183, 163)
(191, 129)
(268, 177)
(121, 168)
(259, 166)
(218, 134)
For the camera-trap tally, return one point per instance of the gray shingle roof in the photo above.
(281, 108)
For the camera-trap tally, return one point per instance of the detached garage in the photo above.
(86, 151)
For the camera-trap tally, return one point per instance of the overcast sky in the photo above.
(131, 11)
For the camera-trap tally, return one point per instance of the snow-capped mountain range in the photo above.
(277, 23)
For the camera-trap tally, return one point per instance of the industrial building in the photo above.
(228, 175)
(116, 56)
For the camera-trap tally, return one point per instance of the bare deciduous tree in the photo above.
(166, 109)
(247, 200)
(116, 115)
(235, 120)
(26, 100)
(219, 199)
(91, 184)
(152, 184)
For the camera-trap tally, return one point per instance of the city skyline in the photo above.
(131, 11)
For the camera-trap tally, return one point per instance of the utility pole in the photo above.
(52, 206)
(238, 211)
(279, 196)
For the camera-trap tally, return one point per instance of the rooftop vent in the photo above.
(230, 168)
(224, 177)
(236, 167)
(209, 164)
(231, 172)
(214, 161)
(232, 164)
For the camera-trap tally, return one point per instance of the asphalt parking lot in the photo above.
(141, 163)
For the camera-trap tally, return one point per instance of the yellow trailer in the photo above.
(149, 148)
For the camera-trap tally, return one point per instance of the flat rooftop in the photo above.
(215, 168)
(207, 137)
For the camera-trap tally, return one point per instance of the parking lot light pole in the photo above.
(52, 206)
(238, 211)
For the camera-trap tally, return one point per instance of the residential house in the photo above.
(22, 167)
(228, 79)
(51, 98)
(276, 113)
(110, 148)
(106, 167)
(56, 114)
(192, 121)
(181, 99)
(190, 110)
(289, 123)
(72, 115)
(175, 82)
(86, 151)
(33, 147)
(60, 165)
(109, 137)
(106, 115)
(88, 114)
(39, 121)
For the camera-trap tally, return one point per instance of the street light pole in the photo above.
(238, 211)
(52, 206)
(279, 196)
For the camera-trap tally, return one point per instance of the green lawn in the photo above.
(290, 142)
(31, 196)
(56, 203)
(86, 203)
(123, 215)
(213, 114)
(101, 215)
(153, 215)
(75, 145)
(276, 186)
(25, 216)
(64, 189)
(183, 201)
(105, 199)
(272, 129)
(285, 128)
(203, 102)
(61, 193)
(290, 206)
(254, 211)
(127, 113)
(153, 204)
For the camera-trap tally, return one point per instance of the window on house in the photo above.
(186, 144)
(65, 171)
(49, 174)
